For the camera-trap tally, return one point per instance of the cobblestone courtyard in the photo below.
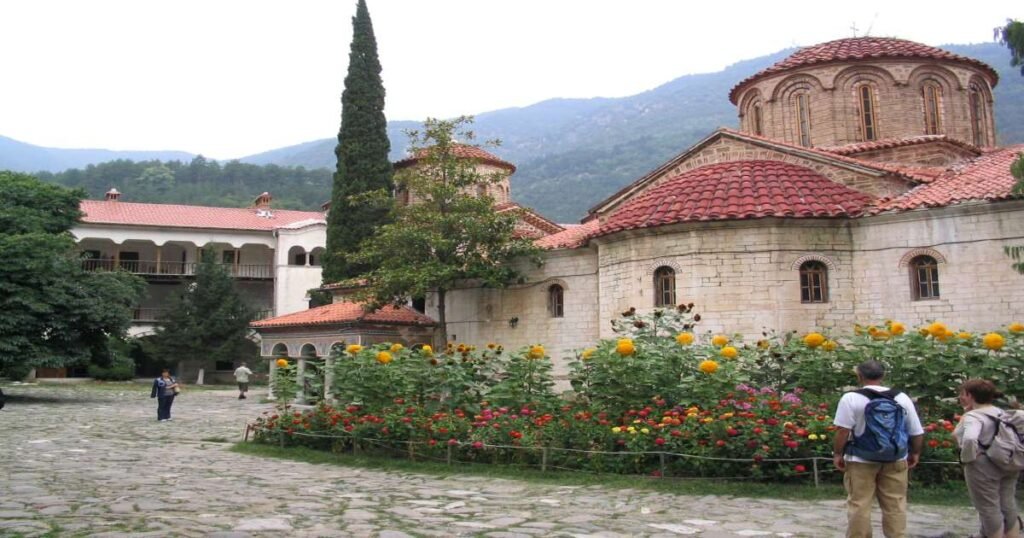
(84, 461)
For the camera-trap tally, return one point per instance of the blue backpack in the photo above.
(885, 436)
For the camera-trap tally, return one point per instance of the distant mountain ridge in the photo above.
(23, 157)
(572, 153)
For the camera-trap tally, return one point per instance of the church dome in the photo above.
(464, 151)
(862, 48)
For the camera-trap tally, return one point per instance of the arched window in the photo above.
(866, 103)
(755, 119)
(664, 286)
(813, 282)
(296, 256)
(924, 278)
(932, 95)
(803, 118)
(977, 104)
(556, 301)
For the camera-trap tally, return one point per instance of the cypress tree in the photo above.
(361, 197)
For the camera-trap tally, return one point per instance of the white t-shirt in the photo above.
(850, 414)
(242, 374)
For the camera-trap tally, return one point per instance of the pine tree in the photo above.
(361, 198)
(209, 323)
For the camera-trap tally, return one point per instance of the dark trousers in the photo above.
(163, 407)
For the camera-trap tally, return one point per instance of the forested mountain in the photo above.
(200, 182)
(22, 157)
(570, 153)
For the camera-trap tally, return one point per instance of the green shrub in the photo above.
(121, 368)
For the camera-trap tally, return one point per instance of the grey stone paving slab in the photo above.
(95, 462)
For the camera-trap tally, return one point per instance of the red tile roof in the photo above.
(529, 216)
(862, 147)
(574, 235)
(463, 151)
(738, 190)
(346, 313)
(190, 216)
(983, 178)
(862, 48)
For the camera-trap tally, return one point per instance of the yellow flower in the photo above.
(395, 348)
(729, 352)
(282, 363)
(880, 334)
(536, 352)
(829, 345)
(1016, 327)
(813, 340)
(354, 348)
(383, 357)
(923, 331)
(993, 341)
(625, 347)
(763, 344)
(427, 350)
(708, 367)
(964, 335)
(813, 437)
(616, 429)
(491, 345)
(684, 339)
(587, 353)
(937, 329)
(719, 340)
(897, 328)
(645, 430)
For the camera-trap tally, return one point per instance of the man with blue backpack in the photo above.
(878, 439)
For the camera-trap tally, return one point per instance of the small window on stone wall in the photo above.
(803, 118)
(924, 278)
(755, 120)
(813, 282)
(932, 95)
(977, 103)
(556, 301)
(866, 102)
(664, 286)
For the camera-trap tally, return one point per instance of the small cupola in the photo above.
(112, 195)
(263, 201)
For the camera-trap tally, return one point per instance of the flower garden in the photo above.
(661, 399)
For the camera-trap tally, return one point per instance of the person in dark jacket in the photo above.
(165, 388)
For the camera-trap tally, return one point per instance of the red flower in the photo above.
(720, 443)
(453, 441)
(659, 441)
(799, 468)
(478, 444)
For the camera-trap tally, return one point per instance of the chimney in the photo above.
(263, 201)
(112, 195)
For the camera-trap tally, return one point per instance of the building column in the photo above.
(300, 381)
(271, 377)
(159, 255)
(328, 377)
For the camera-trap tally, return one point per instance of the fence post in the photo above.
(814, 462)
(448, 457)
(544, 459)
(412, 453)
(661, 457)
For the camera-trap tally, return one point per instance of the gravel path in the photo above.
(90, 461)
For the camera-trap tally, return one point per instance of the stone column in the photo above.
(271, 377)
(300, 381)
(328, 377)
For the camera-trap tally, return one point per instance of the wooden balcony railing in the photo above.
(177, 269)
(154, 315)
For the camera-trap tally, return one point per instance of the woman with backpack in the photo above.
(992, 487)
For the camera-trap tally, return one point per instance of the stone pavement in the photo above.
(90, 461)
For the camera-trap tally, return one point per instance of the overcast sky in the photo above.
(229, 78)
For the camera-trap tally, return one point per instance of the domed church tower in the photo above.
(869, 89)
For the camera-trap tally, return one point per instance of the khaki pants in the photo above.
(864, 482)
(993, 494)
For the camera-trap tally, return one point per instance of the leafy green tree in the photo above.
(362, 151)
(448, 235)
(209, 322)
(1012, 35)
(53, 312)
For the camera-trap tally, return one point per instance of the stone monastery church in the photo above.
(863, 184)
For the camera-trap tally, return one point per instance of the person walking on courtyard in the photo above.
(878, 439)
(242, 374)
(992, 488)
(165, 388)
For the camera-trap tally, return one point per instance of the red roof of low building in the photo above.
(346, 313)
(738, 190)
(986, 177)
(573, 236)
(862, 48)
(463, 151)
(190, 216)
